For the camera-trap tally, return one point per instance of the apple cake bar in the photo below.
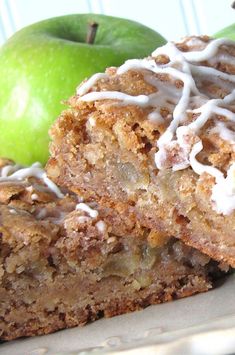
(155, 138)
(64, 262)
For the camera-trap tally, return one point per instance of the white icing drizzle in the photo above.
(101, 226)
(223, 193)
(224, 132)
(200, 168)
(207, 71)
(141, 100)
(34, 197)
(225, 58)
(210, 50)
(85, 87)
(188, 98)
(155, 117)
(196, 41)
(35, 170)
(9, 169)
(92, 121)
(84, 207)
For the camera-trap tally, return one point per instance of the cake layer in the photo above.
(155, 138)
(64, 262)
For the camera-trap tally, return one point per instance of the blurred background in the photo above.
(172, 18)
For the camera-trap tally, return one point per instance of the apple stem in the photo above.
(91, 33)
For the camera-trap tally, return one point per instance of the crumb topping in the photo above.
(194, 82)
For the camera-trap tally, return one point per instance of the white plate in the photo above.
(202, 324)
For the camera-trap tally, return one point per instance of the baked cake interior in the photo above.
(64, 262)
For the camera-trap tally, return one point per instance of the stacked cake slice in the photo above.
(155, 138)
(136, 204)
(64, 262)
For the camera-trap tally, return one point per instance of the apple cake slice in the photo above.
(156, 138)
(64, 262)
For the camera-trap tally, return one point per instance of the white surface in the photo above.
(172, 18)
(202, 324)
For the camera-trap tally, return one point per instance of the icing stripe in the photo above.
(190, 98)
(36, 171)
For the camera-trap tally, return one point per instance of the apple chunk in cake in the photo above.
(158, 135)
(64, 262)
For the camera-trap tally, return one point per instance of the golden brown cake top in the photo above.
(188, 92)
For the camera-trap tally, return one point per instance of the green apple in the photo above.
(227, 32)
(42, 64)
